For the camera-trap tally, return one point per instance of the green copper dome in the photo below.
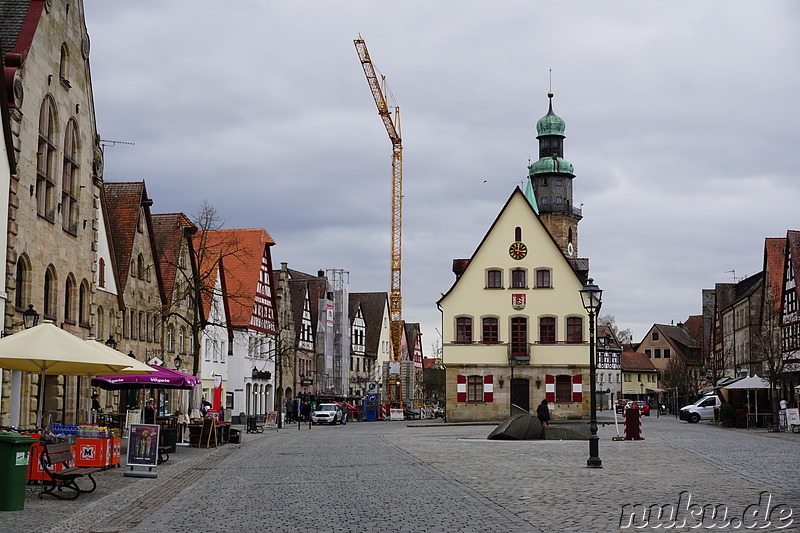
(549, 165)
(550, 124)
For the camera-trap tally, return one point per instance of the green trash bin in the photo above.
(14, 455)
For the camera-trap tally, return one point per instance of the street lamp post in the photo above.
(592, 296)
(512, 362)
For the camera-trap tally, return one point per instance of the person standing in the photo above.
(543, 413)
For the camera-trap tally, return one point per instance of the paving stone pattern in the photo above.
(387, 476)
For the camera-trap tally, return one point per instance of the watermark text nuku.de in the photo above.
(687, 514)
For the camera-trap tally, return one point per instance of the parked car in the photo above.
(642, 406)
(327, 413)
(702, 409)
(620, 404)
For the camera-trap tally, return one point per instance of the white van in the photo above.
(702, 409)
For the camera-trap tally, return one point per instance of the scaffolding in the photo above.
(340, 282)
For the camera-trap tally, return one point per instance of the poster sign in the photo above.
(793, 416)
(143, 445)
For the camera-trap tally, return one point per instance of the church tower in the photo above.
(551, 177)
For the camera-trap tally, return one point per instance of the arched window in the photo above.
(464, 329)
(46, 154)
(494, 278)
(519, 278)
(547, 330)
(101, 273)
(50, 293)
(517, 234)
(70, 188)
(101, 329)
(156, 329)
(83, 304)
(182, 341)
(112, 323)
(69, 299)
(519, 336)
(140, 267)
(574, 329)
(63, 65)
(490, 333)
(563, 388)
(170, 338)
(543, 278)
(22, 296)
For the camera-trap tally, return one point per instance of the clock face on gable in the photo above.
(518, 251)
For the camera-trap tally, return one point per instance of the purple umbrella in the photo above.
(162, 378)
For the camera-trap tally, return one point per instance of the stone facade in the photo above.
(53, 206)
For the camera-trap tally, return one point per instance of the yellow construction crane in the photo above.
(395, 296)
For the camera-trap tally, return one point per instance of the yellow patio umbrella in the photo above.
(134, 366)
(48, 350)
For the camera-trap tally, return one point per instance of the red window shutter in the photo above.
(549, 387)
(488, 388)
(461, 388)
(577, 388)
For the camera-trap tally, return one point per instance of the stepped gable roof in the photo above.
(14, 16)
(774, 257)
(168, 232)
(636, 362)
(373, 305)
(241, 252)
(124, 202)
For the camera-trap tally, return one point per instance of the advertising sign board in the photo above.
(143, 445)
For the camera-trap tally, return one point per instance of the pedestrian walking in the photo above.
(543, 413)
(289, 410)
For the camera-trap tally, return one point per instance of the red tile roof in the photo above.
(169, 230)
(241, 252)
(123, 201)
(636, 362)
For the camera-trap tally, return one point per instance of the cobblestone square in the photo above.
(427, 476)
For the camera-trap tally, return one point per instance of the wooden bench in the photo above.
(52, 454)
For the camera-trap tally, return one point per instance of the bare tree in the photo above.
(624, 336)
(767, 350)
(197, 284)
(679, 377)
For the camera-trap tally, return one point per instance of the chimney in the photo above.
(320, 273)
(459, 266)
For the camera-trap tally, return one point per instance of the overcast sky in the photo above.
(682, 124)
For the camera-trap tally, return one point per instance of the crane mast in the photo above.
(395, 296)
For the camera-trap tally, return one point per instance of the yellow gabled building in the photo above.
(516, 301)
